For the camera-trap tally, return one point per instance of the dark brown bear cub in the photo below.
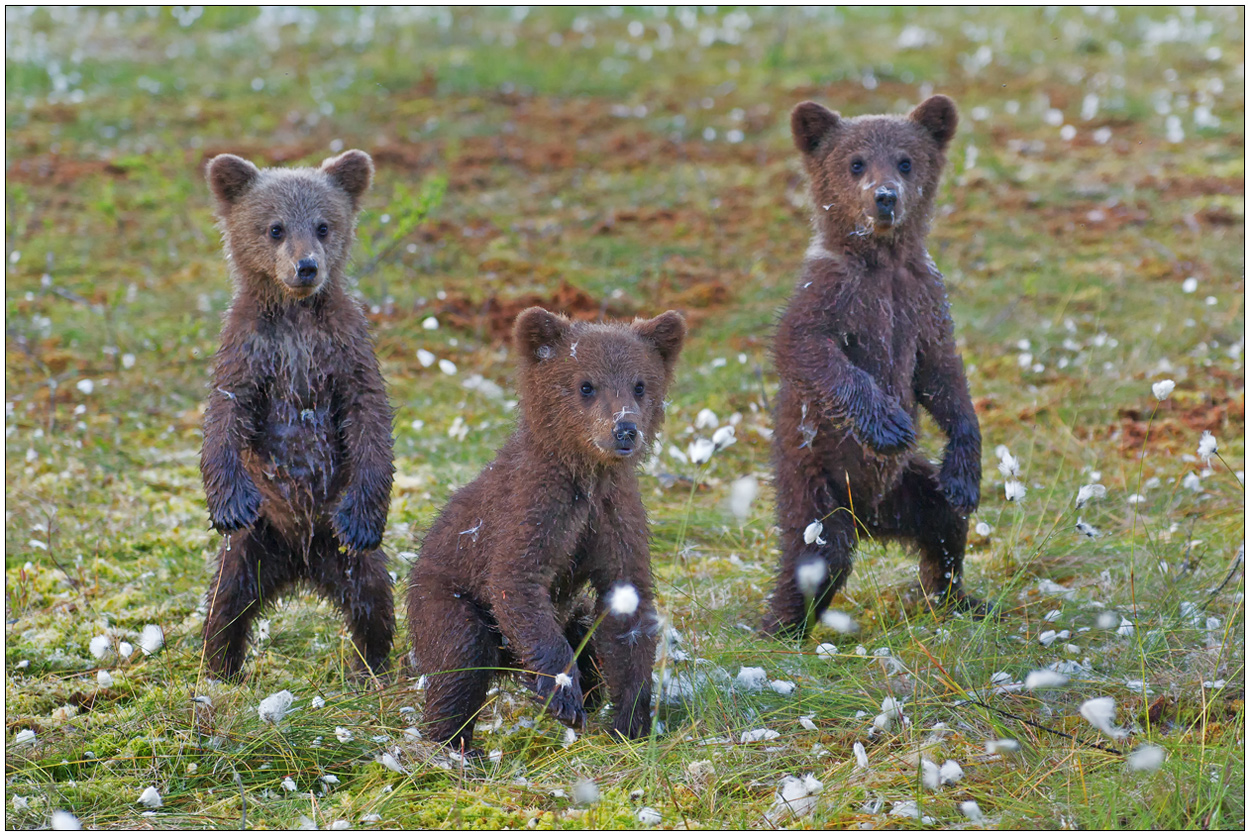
(499, 580)
(866, 339)
(297, 433)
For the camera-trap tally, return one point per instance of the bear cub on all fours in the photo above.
(296, 458)
(499, 580)
(866, 339)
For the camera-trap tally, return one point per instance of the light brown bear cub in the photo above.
(866, 341)
(499, 580)
(296, 459)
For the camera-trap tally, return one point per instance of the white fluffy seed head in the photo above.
(812, 533)
(1207, 445)
(1043, 679)
(100, 646)
(861, 755)
(1099, 712)
(839, 621)
(972, 811)
(1146, 758)
(150, 798)
(1088, 492)
(1014, 490)
(275, 706)
(1162, 389)
(700, 451)
(61, 820)
(623, 599)
(563, 680)
(810, 575)
(151, 639)
(104, 679)
(742, 493)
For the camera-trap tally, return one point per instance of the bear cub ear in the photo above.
(810, 123)
(537, 333)
(230, 177)
(666, 332)
(938, 116)
(351, 171)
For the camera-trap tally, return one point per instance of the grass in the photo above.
(648, 169)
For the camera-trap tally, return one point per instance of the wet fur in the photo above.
(866, 340)
(296, 459)
(500, 578)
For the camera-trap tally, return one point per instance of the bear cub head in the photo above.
(873, 177)
(289, 232)
(595, 392)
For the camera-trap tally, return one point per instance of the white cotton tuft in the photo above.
(150, 798)
(275, 706)
(430, 323)
(1207, 445)
(1008, 465)
(318, 702)
(983, 529)
(758, 735)
(810, 575)
(23, 737)
(388, 760)
(1162, 388)
(723, 437)
(124, 649)
(806, 722)
(446, 366)
(100, 646)
(1043, 679)
(812, 533)
(344, 735)
(1004, 744)
(742, 493)
(1146, 758)
(288, 784)
(795, 798)
(62, 820)
(1014, 490)
(751, 679)
(700, 451)
(649, 816)
(972, 812)
(425, 358)
(861, 755)
(1088, 492)
(585, 793)
(825, 650)
(104, 679)
(623, 599)
(151, 639)
(839, 621)
(951, 773)
(706, 419)
(1099, 712)
(929, 774)
(1126, 628)
(563, 680)
(782, 686)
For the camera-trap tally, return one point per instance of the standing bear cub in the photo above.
(866, 339)
(498, 584)
(296, 460)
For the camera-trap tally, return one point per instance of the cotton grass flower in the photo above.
(1099, 712)
(623, 599)
(649, 816)
(124, 649)
(563, 680)
(782, 686)
(812, 533)
(751, 679)
(810, 575)
(929, 774)
(723, 437)
(62, 820)
(1207, 446)
(1014, 490)
(795, 798)
(151, 639)
(1008, 465)
(1044, 679)
(758, 735)
(839, 622)
(861, 755)
(706, 419)
(742, 493)
(1089, 492)
(100, 646)
(344, 735)
(700, 451)
(104, 679)
(288, 784)
(150, 798)
(825, 650)
(23, 737)
(387, 760)
(951, 773)
(275, 706)
(1088, 530)
(972, 812)
(1162, 389)
(1146, 758)
(585, 793)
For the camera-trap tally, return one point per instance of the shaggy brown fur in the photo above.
(499, 579)
(867, 338)
(297, 434)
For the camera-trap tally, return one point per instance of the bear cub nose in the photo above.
(626, 433)
(306, 269)
(886, 199)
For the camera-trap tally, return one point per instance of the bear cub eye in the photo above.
(639, 389)
(904, 165)
(857, 166)
(323, 229)
(588, 389)
(275, 232)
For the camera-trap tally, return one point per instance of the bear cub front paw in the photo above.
(889, 430)
(961, 483)
(354, 525)
(238, 509)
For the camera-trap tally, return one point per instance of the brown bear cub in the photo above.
(866, 339)
(498, 584)
(296, 460)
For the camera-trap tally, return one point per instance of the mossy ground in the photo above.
(641, 158)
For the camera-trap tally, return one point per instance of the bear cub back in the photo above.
(296, 458)
(500, 577)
